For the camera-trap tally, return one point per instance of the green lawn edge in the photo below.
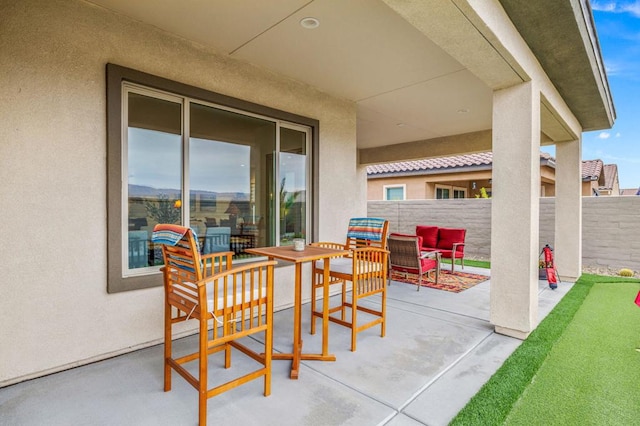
(469, 262)
(493, 402)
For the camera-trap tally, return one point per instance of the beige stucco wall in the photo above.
(55, 308)
(588, 187)
(547, 181)
(616, 188)
(423, 187)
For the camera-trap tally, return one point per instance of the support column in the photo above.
(568, 229)
(515, 210)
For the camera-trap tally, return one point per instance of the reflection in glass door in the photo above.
(154, 174)
(227, 153)
(292, 186)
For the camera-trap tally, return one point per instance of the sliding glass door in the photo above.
(239, 180)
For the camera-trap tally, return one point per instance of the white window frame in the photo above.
(180, 100)
(402, 186)
(307, 131)
(458, 188)
(447, 187)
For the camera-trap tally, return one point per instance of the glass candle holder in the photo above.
(298, 244)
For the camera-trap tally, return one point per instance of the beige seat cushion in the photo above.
(344, 265)
(229, 296)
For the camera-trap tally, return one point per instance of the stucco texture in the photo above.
(55, 307)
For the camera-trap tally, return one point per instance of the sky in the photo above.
(618, 29)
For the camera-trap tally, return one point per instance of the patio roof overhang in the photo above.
(421, 74)
(568, 49)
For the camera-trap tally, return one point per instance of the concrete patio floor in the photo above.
(438, 351)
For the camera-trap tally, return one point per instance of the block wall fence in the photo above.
(610, 225)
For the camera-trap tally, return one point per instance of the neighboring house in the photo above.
(460, 176)
(630, 191)
(260, 117)
(599, 178)
(463, 176)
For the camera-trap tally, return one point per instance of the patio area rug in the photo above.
(455, 283)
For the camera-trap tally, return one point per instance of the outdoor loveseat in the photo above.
(448, 241)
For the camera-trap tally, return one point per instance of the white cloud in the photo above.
(611, 69)
(603, 6)
(604, 135)
(632, 7)
(618, 135)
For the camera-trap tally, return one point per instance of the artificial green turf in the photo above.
(592, 374)
(495, 400)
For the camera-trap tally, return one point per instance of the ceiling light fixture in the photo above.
(310, 23)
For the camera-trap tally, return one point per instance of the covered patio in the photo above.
(364, 82)
(439, 350)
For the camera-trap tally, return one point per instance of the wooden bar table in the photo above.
(309, 254)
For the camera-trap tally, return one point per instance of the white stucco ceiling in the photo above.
(406, 88)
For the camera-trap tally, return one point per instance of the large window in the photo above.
(238, 175)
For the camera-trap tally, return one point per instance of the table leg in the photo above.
(297, 323)
(325, 309)
(296, 355)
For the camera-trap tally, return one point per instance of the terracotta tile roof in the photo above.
(591, 169)
(546, 156)
(439, 164)
(630, 191)
(610, 175)
(484, 158)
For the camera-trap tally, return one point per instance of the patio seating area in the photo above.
(438, 351)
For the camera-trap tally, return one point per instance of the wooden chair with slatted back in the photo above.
(367, 271)
(367, 241)
(229, 303)
(406, 257)
(362, 232)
